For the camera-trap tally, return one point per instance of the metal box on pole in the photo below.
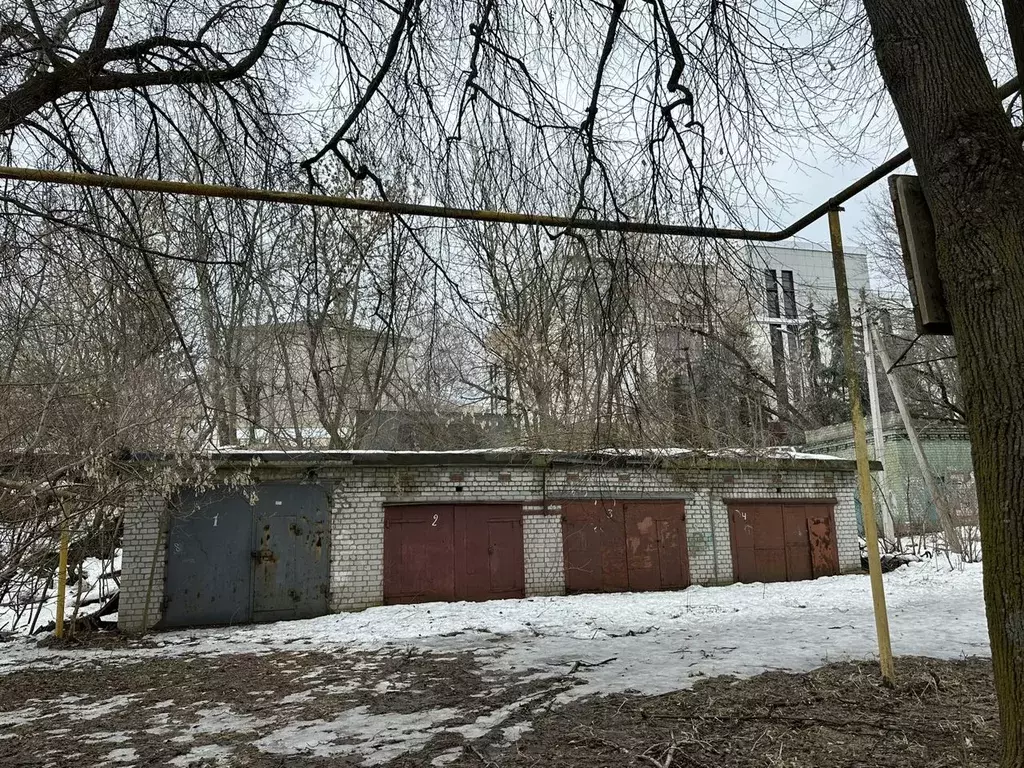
(917, 242)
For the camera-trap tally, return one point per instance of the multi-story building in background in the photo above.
(791, 286)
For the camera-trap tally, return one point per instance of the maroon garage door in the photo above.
(453, 552)
(783, 541)
(621, 546)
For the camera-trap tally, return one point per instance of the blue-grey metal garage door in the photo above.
(230, 562)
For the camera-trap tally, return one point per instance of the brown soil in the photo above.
(941, 713)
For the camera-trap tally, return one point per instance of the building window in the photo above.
(771, 292)
(788, 294)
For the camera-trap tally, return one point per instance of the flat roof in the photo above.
(779, 459)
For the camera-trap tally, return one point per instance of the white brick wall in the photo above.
(543, 561)
(357, 547)
(144, 555)
(362, 493)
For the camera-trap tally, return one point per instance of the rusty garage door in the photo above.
(230, 562)
(783, 541)
(620, 546)
(453, 552)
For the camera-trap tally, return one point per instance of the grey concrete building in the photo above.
(808, 269)
(786, 284)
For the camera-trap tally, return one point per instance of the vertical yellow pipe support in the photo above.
(860, 444)
(62, 573)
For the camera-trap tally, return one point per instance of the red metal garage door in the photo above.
(783, 541)
(616, 546)
(593, 542)
(453, 552)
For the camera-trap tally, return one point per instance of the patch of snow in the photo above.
(781, 452)
(205, 755)
(335, 689)
(160, 724)
(391, 685)
(296, 698)
(448, 756)
(376, 738)
(514, 733)
(125, 755)
(19, 717)
(109, 737)
(77, 709)
(222, 719)
(484, 724)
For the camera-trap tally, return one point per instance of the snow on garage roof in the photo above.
(781, 458)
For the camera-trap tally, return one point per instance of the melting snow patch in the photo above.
(19, 717)
(296, 698)
(110, 737)
(484, 724)
(219, 719)
(74, 707)
(375, 738)
(391, 685)
(513, 733)
(448, 756)
(126, 755)
(205, 755)
(338, 688)
(160, 724)
(223, 720)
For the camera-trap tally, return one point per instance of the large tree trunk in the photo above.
(972, 171)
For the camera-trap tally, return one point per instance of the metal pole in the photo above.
(62, 575)
(877, 434)
(860, 444)
(445, 212)
(941, 507)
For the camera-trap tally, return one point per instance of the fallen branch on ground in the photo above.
(586, 664)
(666, 758)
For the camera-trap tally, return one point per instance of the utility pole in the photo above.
(877, 435)
(62, 573)
(860, 444)
(945, 516)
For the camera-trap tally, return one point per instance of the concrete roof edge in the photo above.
(510, 458)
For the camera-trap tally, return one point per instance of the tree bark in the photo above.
(972, 171)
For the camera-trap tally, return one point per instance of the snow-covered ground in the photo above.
(649, 643)
(741, 629)
(96, 585)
